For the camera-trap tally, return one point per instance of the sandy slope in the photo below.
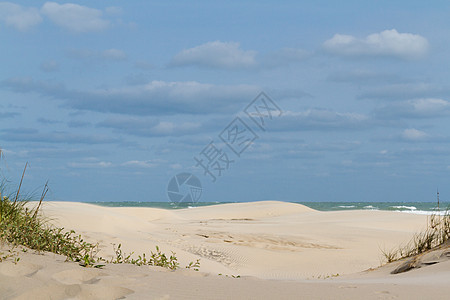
(279, 250)
(272, 240)
(49, 277)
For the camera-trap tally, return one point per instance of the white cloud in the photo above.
(429, 106)
(153, 98)
(165, 127)
(417, 108)
(320, 119)
(89, 165)
(176, 166)
(149, 127)
(139, 163)
(21, 18)
(385, 43)
(413, 135)
(172, 97)
(74, 17)
(227, 55)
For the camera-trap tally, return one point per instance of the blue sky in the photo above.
(109, 99)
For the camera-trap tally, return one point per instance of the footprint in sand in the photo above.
(104, 292)
(78, 276)
(90, 285)
(385, 295)
(51, 290)
(21, 269)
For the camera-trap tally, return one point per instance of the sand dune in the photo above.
(280, 250)
(49, 277)
(269, 239)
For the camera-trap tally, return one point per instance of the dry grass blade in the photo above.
(44, 193)
(20, 185)
(436, 234)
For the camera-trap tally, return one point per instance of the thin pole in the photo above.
(438, 198)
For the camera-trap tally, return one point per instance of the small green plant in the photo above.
(90, 262)
(11, 253)
(232, 276)
(325, 276)
(4, 256)
(195, 266)
(157, 258)
(120, 257)
(161, 260)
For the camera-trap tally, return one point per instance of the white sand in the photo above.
(279, 250)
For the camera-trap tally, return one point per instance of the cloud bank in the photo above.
(227, 55)
(386, 43)
(73, 17)
(153, 98)
(21, 18)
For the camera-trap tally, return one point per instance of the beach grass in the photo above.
(24, 225)
(436, 234)
(21, 225)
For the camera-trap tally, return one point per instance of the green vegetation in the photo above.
(157, 258)
(232, 276)
(23, 225)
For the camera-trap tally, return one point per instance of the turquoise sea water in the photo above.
(408, 207)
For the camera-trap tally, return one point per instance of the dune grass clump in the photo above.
(23, 225)
(435, 235)
(158, 259)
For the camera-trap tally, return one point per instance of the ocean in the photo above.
(427, 208)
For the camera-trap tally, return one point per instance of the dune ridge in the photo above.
(276, 248)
